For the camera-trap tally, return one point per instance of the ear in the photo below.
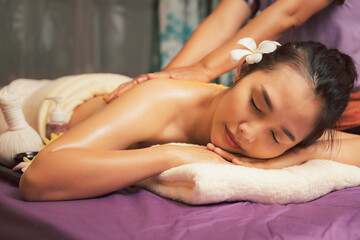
(240, 71)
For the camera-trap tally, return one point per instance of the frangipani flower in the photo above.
(53, 137)
(252, 53)
(23, 165)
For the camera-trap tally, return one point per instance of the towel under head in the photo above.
(202, 183)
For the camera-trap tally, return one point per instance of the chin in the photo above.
(217, 141)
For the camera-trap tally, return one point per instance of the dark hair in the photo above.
(331, 73)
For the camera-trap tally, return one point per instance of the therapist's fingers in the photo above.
(141, 78)
(118, 91)
(154, 75)
(125, 87)
(113, 95)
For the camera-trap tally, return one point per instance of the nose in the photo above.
(249, 131)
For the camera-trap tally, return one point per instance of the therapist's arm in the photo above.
(270, 24)
(216, 29)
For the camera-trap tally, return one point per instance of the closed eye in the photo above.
(274, 137)
(254, 105)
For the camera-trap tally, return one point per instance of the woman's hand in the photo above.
(186, 154)
(295, 156)
(239, 159)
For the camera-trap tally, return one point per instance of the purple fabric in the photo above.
(336, 26)
(138, 214)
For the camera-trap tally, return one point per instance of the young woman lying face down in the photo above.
(288, 99)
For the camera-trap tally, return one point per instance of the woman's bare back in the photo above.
(179, 97)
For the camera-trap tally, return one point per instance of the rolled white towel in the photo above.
(202, 183)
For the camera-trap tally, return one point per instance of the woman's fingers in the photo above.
(210, 146)
(239, 160)
(228, 156)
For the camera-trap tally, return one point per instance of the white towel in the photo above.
(202, 183)
(73, 90)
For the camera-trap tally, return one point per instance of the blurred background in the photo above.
(46, 39)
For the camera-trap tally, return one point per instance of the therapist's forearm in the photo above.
(217, 28)
(268, 25)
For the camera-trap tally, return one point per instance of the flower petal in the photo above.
(253, 58)
(25, 159)
(23, 166)
(238, 54)
(249, 43)
(267, 46)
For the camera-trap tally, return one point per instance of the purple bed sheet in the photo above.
(135, 213)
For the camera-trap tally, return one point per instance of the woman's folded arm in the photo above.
(92, 152)
(344, 148)
(73, 173)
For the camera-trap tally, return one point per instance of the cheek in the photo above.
(233, 107)
(222, 116)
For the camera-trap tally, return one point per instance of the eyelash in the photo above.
(254, 105)
(259, 111)
(273, 136)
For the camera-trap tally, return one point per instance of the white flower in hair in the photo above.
(253, 54)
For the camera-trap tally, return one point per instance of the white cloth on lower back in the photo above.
(73, 90)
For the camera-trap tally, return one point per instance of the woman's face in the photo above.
(265, 114)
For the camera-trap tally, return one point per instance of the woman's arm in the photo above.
(74, 173)
(345, 148)
(86, 161)
(217, 28)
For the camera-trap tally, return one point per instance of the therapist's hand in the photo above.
(125, 87)
(194, 72)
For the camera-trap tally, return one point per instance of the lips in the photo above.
(230, 138)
